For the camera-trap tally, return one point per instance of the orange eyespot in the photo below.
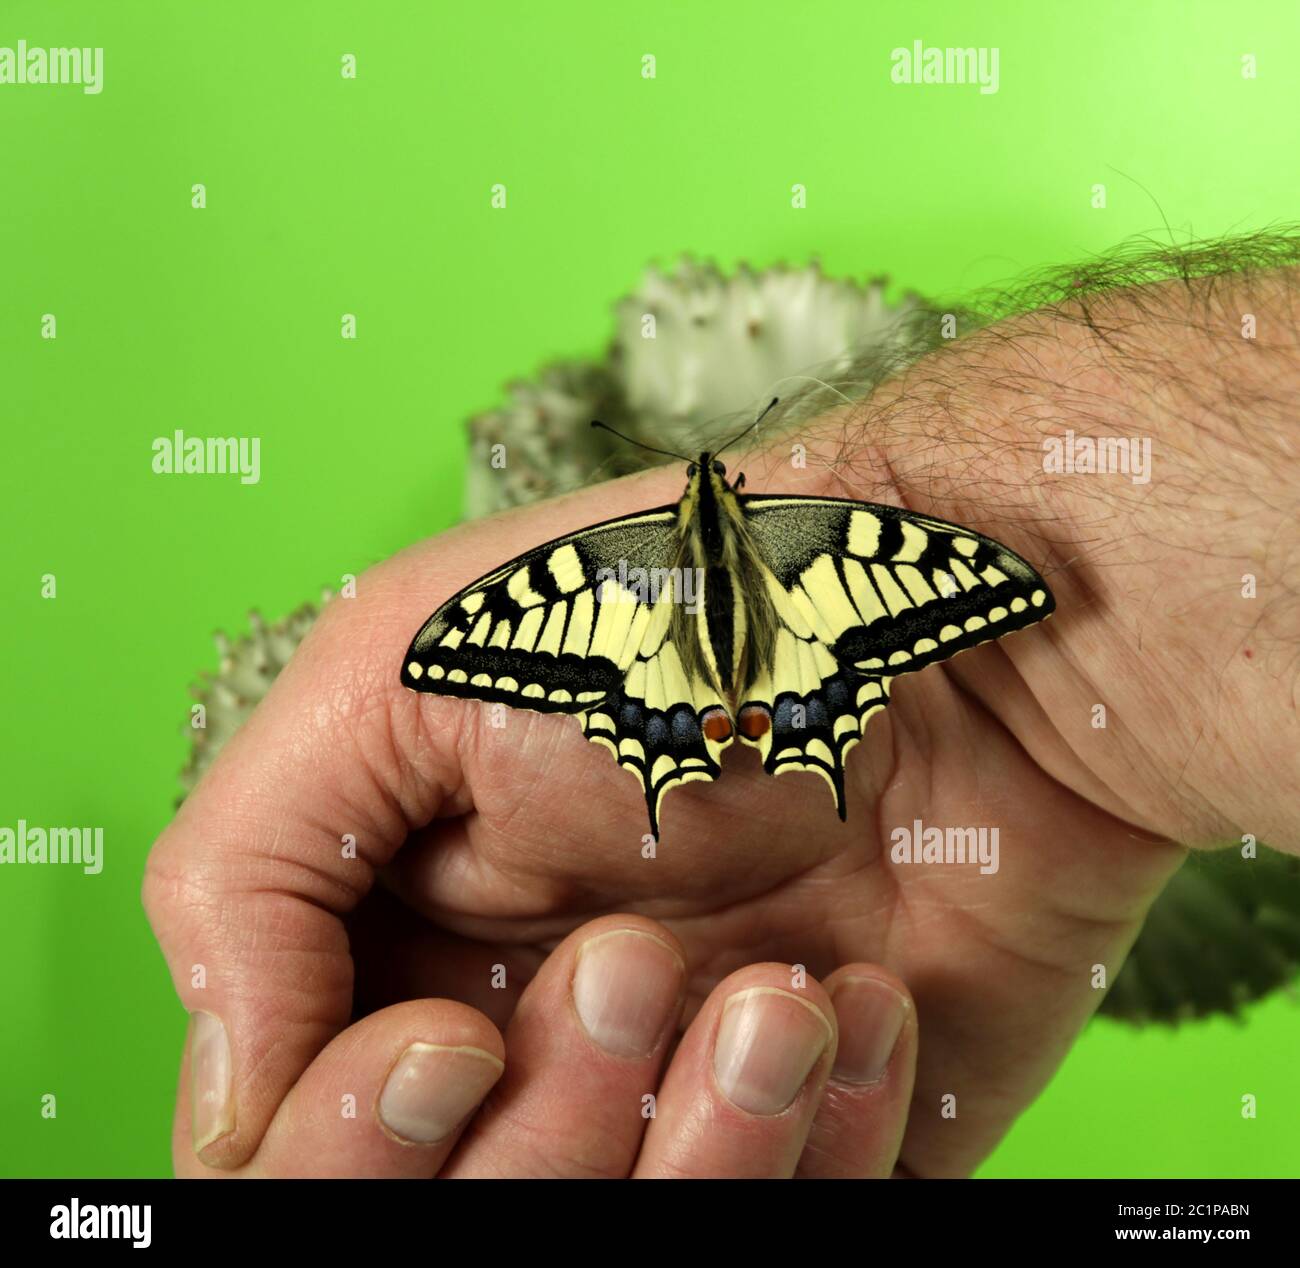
(754, 722)
(716, 725)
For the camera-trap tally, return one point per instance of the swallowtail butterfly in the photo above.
(776, 620)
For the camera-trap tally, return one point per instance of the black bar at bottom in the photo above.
(359, 1216)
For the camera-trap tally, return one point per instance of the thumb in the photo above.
(246, 889)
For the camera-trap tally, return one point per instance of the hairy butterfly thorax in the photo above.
(776, 620)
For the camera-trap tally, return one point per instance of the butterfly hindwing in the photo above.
(651, 722)
(815, 725)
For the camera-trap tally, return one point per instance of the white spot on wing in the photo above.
(566, 568)
(864, 534)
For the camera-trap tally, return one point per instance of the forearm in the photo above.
(1159, 619)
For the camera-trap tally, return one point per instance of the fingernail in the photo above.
(768, 1042)
(625, 987)
(433, 1088)
(211, 1082)
(871, 1016)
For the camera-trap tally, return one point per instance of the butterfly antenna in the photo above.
(668, 453)
(750, 428)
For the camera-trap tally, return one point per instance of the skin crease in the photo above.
(493, 845)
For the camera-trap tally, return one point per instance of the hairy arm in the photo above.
(1176, 576)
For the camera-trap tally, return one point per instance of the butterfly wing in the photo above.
(651, 721)
(862, 593)
(533, 634)
(548, 632)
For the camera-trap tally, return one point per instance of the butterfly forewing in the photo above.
(894, 591)
(534, 634)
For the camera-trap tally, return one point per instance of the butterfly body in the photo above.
(778, 621)
(729, 637)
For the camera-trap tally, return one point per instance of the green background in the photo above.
(327, 196)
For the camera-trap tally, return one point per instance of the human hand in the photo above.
(497, 846)
(264, 884)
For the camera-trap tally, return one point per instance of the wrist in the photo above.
(1109, 446)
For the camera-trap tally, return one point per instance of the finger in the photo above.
(859, 1126)
(401, 956)
(246, 888)
(739, 1097)
(585, 1049)
(388, 1098)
